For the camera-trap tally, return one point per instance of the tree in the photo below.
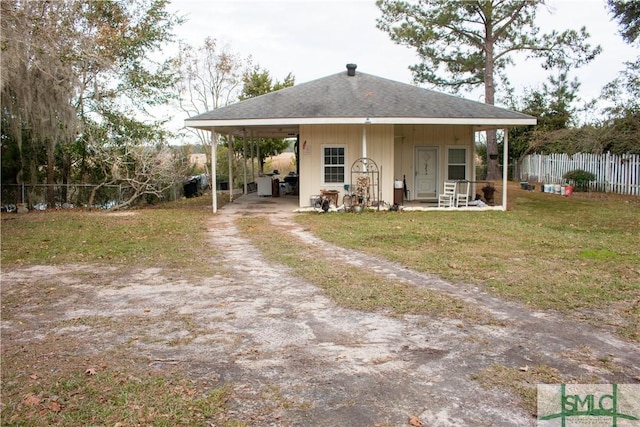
(627, 13)
(118, 80)
(38, 82)
(471, 43)
(622, 115)
(258, 82)
(622, 126)
(144, 170)
(76, 75)
(210, 77)
(552, 105)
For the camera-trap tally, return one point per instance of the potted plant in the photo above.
(488, 191)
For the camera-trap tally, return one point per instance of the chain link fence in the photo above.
(69, 196)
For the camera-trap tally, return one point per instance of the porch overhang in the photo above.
(290, 127)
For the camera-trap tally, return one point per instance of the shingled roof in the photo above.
(350, 97)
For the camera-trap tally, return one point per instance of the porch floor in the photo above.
(290, 203)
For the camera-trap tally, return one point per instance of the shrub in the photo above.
(580, 179)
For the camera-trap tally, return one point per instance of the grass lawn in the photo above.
(170, 235)
(578, 255)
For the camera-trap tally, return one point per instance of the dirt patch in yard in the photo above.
(292, 356)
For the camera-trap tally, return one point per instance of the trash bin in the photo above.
(398, 196)
(192, 188)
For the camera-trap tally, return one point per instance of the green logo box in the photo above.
(588, 405)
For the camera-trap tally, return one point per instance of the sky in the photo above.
(312, 39)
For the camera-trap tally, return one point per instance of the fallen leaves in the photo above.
(31, 400)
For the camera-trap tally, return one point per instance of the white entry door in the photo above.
(426, 173)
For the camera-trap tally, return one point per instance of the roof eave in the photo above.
(480, 123)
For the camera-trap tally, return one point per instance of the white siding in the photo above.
(392, 147)
(408, 137)
(314, 137)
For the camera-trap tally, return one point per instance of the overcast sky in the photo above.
(313, 39)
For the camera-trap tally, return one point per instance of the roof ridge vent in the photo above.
(351, 69)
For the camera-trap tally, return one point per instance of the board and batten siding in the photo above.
(409, 137)
(314, 137)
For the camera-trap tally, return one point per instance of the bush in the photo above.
(580, 179)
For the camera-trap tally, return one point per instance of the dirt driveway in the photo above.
(293, 357)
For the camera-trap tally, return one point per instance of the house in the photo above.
(352, 123)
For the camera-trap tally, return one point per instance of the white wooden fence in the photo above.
(614, 173)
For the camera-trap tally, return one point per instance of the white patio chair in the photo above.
(462, 194)
(446, 199)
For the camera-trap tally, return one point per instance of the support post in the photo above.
(244, 159)
(505, 168)
(260, 170)
(214, 179)
(253, 168)
(230, 151)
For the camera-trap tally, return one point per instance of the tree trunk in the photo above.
(92, 196)
(136, 195)
(51, 173)
(66, 172)
(493, 164)
(493, 161)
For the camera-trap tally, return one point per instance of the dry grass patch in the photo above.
(523, 381)
(57, 382)
(171, 235)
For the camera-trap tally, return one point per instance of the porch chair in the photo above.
(446, 199)
(462, 194)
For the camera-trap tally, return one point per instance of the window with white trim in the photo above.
(333, 164)
(456, 163)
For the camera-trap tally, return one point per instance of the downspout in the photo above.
(364, 141)
(505, 168)
(367, 122)
(214, 179)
